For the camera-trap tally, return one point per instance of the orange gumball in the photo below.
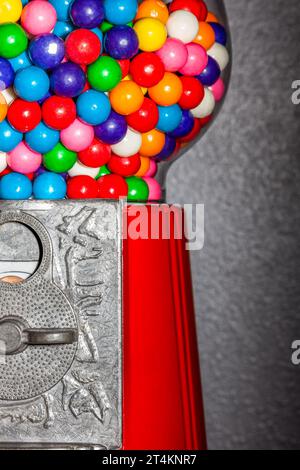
(211, 18)
(3, 108)
(145, 167)
(126, 98)
(153, 9)
(168, 91)
(206, 35)
(152, 143)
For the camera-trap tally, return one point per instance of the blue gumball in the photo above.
(120, 11)
(49, 186)
(121, 42)
(185, 127)
(99, 33)
(20, 62)
(211, 73)
(42, 139)
(168, 150)
(220, 33)
(32, 83)
(15, 186)
(62, 8)
(7, 74)
(169, 118)
(47, 51)
(93, 107)
(63, 29)
(87, 13)
(9, 137)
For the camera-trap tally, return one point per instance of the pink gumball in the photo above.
(38, 17)
(78, 136)
(218, 89)
(197, 60)
(155, 192)
(152, 169)
(173, 54)
(24, 160)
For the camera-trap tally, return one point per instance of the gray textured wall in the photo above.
(246, 171)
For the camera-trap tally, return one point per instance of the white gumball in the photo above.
(9, 95)
(129, 146)
(206, 106)
(220, 54)
(81, 170)
(3, 161)
(183, 25)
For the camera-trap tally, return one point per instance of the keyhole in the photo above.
(20, 252)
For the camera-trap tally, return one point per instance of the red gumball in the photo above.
(193, 93)
(83, 46)
(206, 120)
(194, 132)
(24, 115)
(197, 7)
(146, 118)
(30, 176)
(112, 187)
(5, 172)
(124, 166)
(147, 69)
(125, 66)
(96, 155)
(82, 187)
(58, 112)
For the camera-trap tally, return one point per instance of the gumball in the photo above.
(146, 118)
(211, 17)
(83, 46)
(154, 9)
(152, 143)
(112, 187)
(24, 115)
(152, 34)
(59, 112)
(106, 26)
(120, 11)
(125, 66)
(137, 189)
(121, 42)
(206, 35)
(9, 137)
(93, 107)
(103, 172)
(220, 54)
(152, 168)
(82, 170)
(147, 69)
(126, 98)
(9, 95)
(13, 40)
(210, 74)
(62, 8)
(24, 160)
(206, 106)
(96, 155)
(82, 187)
(144, 166)
(220, 33)
(130, 145)
(20, 62)
(3, 108)
(155, 191)
(193, 93)
(3, 161)
(173, 54)
(63, 29)
(113, 130)
(185, 126)
(168, 149)
(87, 13)
(47, 51)
(196, 62)
(194, 132)
(7, 74)
(169, 118)
(10, 11)
(67, 80)
(32, 83)
(124, 166)
(218, 89)
(183, 25)
(15, 186)
(104, 74)
(78, 136)
(168, 91)
(42, 139)
(60, 159)
(197, 7)
(38, 17)
(49, 186)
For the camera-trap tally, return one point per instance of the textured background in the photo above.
(246, 171)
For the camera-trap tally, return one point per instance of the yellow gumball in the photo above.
(10, 11)
(152, 34)
(3, 108)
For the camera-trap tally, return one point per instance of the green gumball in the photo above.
(103, 172)
(137, 189)
(60, 159)
(104, 74)
(13, 40)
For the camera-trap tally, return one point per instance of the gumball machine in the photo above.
(98, 98)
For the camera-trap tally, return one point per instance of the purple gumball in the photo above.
(47, 51)
(87, 13)
(68, 80)
(113, 130)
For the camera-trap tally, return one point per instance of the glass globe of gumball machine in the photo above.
(97, 101)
